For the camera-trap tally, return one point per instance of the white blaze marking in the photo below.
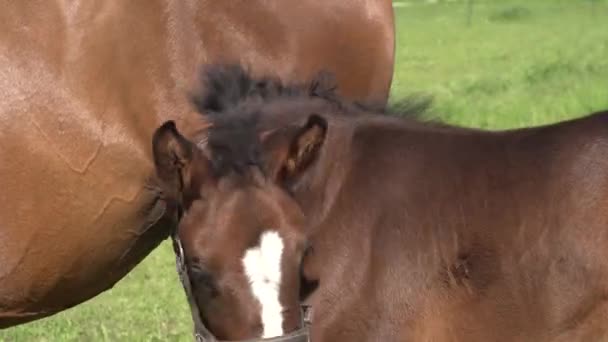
(263, 267)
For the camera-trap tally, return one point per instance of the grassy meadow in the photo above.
(518, 63)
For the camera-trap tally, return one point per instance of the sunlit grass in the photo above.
(520, 63)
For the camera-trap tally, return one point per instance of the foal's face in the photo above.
(243, 241)
(243, 245)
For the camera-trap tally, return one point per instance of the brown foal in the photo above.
(242, 235)
(416, 231)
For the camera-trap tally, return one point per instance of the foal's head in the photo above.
(242, 234)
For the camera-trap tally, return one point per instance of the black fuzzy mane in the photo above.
(234, 103)
(227, 87)
(230, 99)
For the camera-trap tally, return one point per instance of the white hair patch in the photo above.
(263, 268)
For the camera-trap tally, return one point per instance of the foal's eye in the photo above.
(204, 281)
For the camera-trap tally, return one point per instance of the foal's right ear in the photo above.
(173, 154)
(295, 148)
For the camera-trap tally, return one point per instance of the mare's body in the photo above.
(84, 84)
(424, 232)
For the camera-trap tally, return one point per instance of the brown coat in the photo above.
(84, 84)
(426, 232)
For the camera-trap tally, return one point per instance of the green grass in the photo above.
(520, 63)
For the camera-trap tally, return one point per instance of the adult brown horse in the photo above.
(83, 84)
(417, 231)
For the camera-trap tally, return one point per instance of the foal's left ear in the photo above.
(295, 149)
(172, 156)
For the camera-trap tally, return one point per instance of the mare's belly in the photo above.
(76, 215)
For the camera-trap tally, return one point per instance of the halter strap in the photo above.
(201, 334)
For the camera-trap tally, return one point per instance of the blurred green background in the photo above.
(489, 64)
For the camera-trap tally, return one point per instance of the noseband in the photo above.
(201, 333)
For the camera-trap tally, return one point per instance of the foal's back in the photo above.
(477, 236)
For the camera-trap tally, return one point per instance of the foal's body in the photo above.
(418, 232)
(422, 232)
(438, 235)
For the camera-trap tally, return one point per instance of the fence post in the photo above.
(469, 12)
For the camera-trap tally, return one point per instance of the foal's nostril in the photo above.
(259, 328)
